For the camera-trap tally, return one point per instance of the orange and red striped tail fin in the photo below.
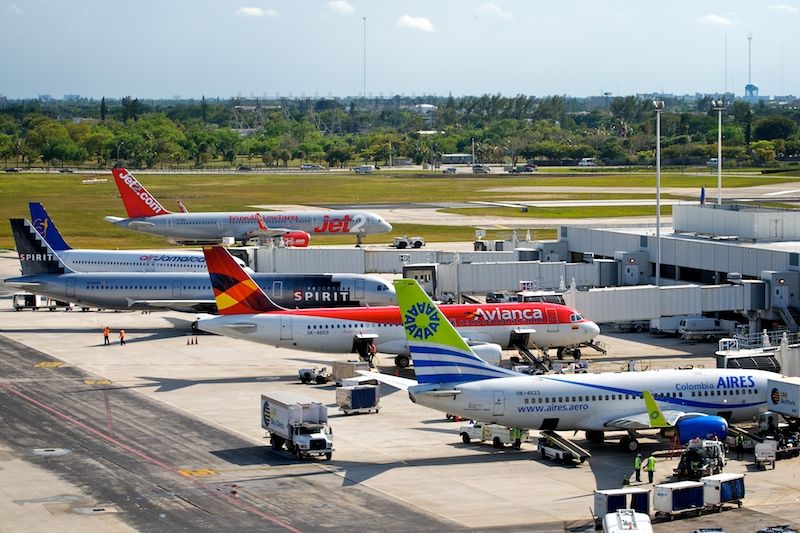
(234, 290)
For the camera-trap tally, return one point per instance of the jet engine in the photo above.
(489, 352)
(701, 427)
(296, 239)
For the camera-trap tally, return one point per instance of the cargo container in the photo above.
(298, 423)
(347, 369)
(670, 499)
(611, 500)
(627, 521)
(358, 399)
(723, 488)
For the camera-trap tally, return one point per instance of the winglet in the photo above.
(234, 290)
(439, 352)
(654, 414)
(138, 202)
(47, 228)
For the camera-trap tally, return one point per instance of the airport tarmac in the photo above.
(165, 435)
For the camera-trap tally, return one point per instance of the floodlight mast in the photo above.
(719, 106)
(659, 106)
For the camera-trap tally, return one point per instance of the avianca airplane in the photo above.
(44, 273)
(116, 260)
(452, 379)
(146, 214)
(246, 312)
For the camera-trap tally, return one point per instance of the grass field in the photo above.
(78, 208)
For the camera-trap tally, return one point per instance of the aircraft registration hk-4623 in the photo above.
(44, 273)
(146, 214)
(245, 312)
(451, 378)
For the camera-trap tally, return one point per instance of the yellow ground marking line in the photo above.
(48, 364)
(97, 381)
(198, 472)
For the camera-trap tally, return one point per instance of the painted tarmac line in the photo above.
(146, 458)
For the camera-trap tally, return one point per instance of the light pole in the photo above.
(659, 106)
(118, 147)
(719, 106)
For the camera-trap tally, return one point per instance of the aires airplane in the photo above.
(245, 312)
(116, 260)
(146, 214)
(44, 273)
(452, 379)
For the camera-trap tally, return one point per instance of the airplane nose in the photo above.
(591, 329)
(386, 226)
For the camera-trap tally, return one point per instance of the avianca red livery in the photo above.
(245, 312)
(145, 213)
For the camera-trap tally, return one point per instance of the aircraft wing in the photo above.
(642, 420)
(395, 381)
(267, 232)
(524, 330)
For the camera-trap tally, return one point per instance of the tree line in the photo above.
(338, 132)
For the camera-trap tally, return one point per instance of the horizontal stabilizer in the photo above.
(113, 220)
(524, 331)
(395, 381)
(135, 224)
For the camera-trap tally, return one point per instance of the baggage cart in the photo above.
(612, 500)
(722, 489)
(672, 499)
(766, 453)
(358, 399)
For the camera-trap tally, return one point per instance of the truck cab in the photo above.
(311, 439)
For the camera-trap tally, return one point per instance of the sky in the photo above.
(314, 48)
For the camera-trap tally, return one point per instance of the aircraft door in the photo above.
(70, 288)
(277, 290)
(499, 403)
(170, 224)
(552, 320)
(286, 328)
(176, 289)
(359, 289)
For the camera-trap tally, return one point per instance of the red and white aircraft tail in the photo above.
(138, 202)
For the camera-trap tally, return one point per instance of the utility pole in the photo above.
(365, 58)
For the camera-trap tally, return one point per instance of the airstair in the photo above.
(557, 441)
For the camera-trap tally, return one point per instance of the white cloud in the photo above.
(493, 10)
(714, 20)
(784, 9)
(15, 9)
(415, 23)
(253, 12)
(342, 7)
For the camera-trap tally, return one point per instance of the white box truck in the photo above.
(297, 422)
(784, 396)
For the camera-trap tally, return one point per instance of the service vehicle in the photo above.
(26, 300)
(481, 169)
(627, 521)
(498, 435)
(311, 166)
(587, 162)
(320, 376)
(364, 169)
(449, 170)
(701, 328)
(347, 369)
(553, 446)
(408, 242)
(701, 458)
(52, 304)
(298, 423)
(722, 489)
(672, 499)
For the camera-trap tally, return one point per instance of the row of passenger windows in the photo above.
(608, 397)
(200, 266)
(137, 287)
(345, 326)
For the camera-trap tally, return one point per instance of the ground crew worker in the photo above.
(650, 467)
(637, 466)
(122, 337)
(106, 333)
(739, 446)
(516, 433)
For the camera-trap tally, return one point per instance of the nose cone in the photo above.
(590, 329)
(385, 226)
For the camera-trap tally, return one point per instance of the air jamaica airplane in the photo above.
(452, 379)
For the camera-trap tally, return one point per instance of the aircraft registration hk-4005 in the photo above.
(245, 312)
(44, 273)
(146, 214)
(452, 379)
(116, 260)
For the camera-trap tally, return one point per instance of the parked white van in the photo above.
(364, 169)
(587, 162)
(696, 328)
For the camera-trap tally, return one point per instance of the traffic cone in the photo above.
(188, 340)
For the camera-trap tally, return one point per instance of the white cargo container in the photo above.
(784, 396)
(359, 399)
(297, 422)
(627, 521)
(347, 369)
(720, 489)
(670, 499)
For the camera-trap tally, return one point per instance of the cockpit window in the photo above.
(575, 317)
